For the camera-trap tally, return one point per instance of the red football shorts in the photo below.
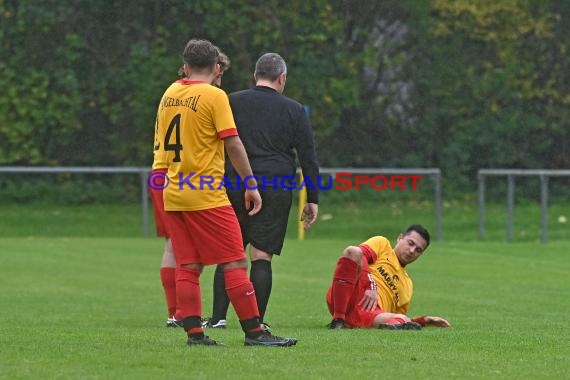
(355, 315)
(207, 237)
(158, 208)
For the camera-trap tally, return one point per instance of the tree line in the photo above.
(454, 84)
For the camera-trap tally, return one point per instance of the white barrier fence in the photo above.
(143, 173)
(544, 176)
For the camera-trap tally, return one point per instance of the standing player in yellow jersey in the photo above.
(168, 263)
(371, 287)
(195, 126)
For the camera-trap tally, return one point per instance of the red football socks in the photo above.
(395, 321)
(241, 293)
(421, 320)
(168, 279)
(188, 297)
(345, 277)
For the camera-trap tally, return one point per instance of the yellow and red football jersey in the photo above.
(394, 286)
(192, 119)
(159, 154)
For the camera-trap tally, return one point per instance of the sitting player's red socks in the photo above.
(395, 321)
(345, 277)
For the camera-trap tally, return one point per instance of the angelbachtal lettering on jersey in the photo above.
(191, 102)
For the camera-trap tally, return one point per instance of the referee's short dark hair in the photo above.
(421, 230)
(269, 66)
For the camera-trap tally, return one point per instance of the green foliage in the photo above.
(454, 84)
(491, 86)
(321, 73)
(40, 94)
(70, 189)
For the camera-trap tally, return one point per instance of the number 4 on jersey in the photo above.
(176, 147)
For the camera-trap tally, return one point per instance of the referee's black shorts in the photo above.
(265, 230)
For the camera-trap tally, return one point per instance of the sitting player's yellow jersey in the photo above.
(192, 119)
(393, 284)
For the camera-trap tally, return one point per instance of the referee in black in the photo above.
(275, 130)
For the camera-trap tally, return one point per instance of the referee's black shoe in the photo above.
(173, 322)
(213, 324)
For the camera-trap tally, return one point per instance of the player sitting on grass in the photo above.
(371, 287)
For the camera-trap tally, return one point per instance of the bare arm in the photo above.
(431, 321)
(309, 215)
(238, 157)
(424, 320)
(369, 300)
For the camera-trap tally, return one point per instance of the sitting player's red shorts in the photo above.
(355, 315)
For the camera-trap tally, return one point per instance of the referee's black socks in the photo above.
(221, 300)
(261, 276)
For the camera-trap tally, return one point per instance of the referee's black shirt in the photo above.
(272, 127)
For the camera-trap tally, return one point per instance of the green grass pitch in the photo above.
(92, 308)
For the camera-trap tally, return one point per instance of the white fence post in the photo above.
(543, 174)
